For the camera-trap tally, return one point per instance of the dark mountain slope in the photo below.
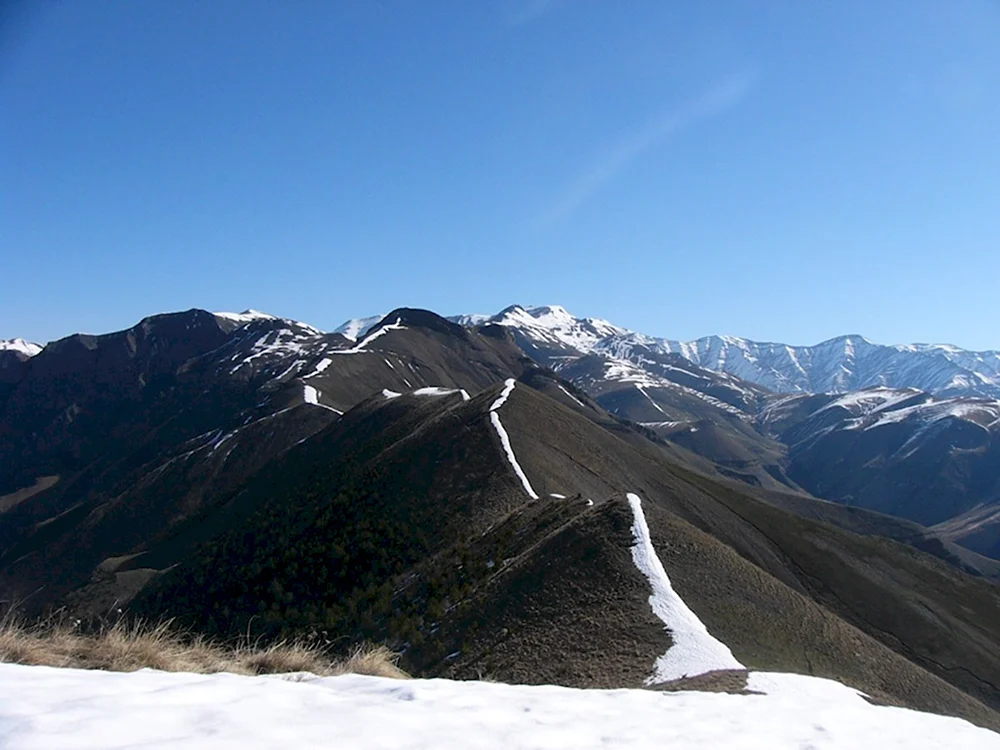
(977, 529)
(86, 395)
(407, 521)
(688, 418)
(410, 349)
(857, 520)
(150, 458)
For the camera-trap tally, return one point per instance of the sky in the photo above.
(784, 171)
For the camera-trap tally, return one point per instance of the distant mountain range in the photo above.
(927, 452)
(916, 434)
(840, 365)
(463, 490)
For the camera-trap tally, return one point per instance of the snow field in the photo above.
(43, 708)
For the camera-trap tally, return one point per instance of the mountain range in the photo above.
(466, 491)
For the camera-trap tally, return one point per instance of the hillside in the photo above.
(922, 449)
(114, 443)
(463, 570)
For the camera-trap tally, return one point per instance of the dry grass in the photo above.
(123, 647)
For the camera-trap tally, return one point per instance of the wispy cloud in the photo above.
(529, 10)
(711, 103)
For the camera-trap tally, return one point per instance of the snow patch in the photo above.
(694, 650)
(438, 391)
(311, 396)
(323, 364)
(390, 394)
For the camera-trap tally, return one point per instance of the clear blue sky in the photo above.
(783, 170)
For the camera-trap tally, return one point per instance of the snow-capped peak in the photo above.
(556, 324)
(237, 320)
(247, 316)
(27, 348)
(354, 328)
(470, 320)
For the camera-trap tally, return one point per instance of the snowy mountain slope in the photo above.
(93, 710)
(842, 364)
(20, 346)
(357, 327)
(714, 396)
(705, 411)
(846, 363)
(242, 318)
(897, 451)
(592, 352)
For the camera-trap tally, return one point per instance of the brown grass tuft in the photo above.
(124, 647)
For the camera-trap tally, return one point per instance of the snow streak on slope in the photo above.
(43, 707)
(571, 396)
(436, 390)
(505, 438)
(694, 650)
(275, 348)
(655, 405)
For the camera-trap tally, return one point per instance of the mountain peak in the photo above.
(247, 316)
(355, 328)
(20, 346)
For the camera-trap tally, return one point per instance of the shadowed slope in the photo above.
(406, 521)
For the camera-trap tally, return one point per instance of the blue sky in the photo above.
(785, 171)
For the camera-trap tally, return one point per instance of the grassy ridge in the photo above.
(127, 647)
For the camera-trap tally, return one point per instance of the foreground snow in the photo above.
(42, 707)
